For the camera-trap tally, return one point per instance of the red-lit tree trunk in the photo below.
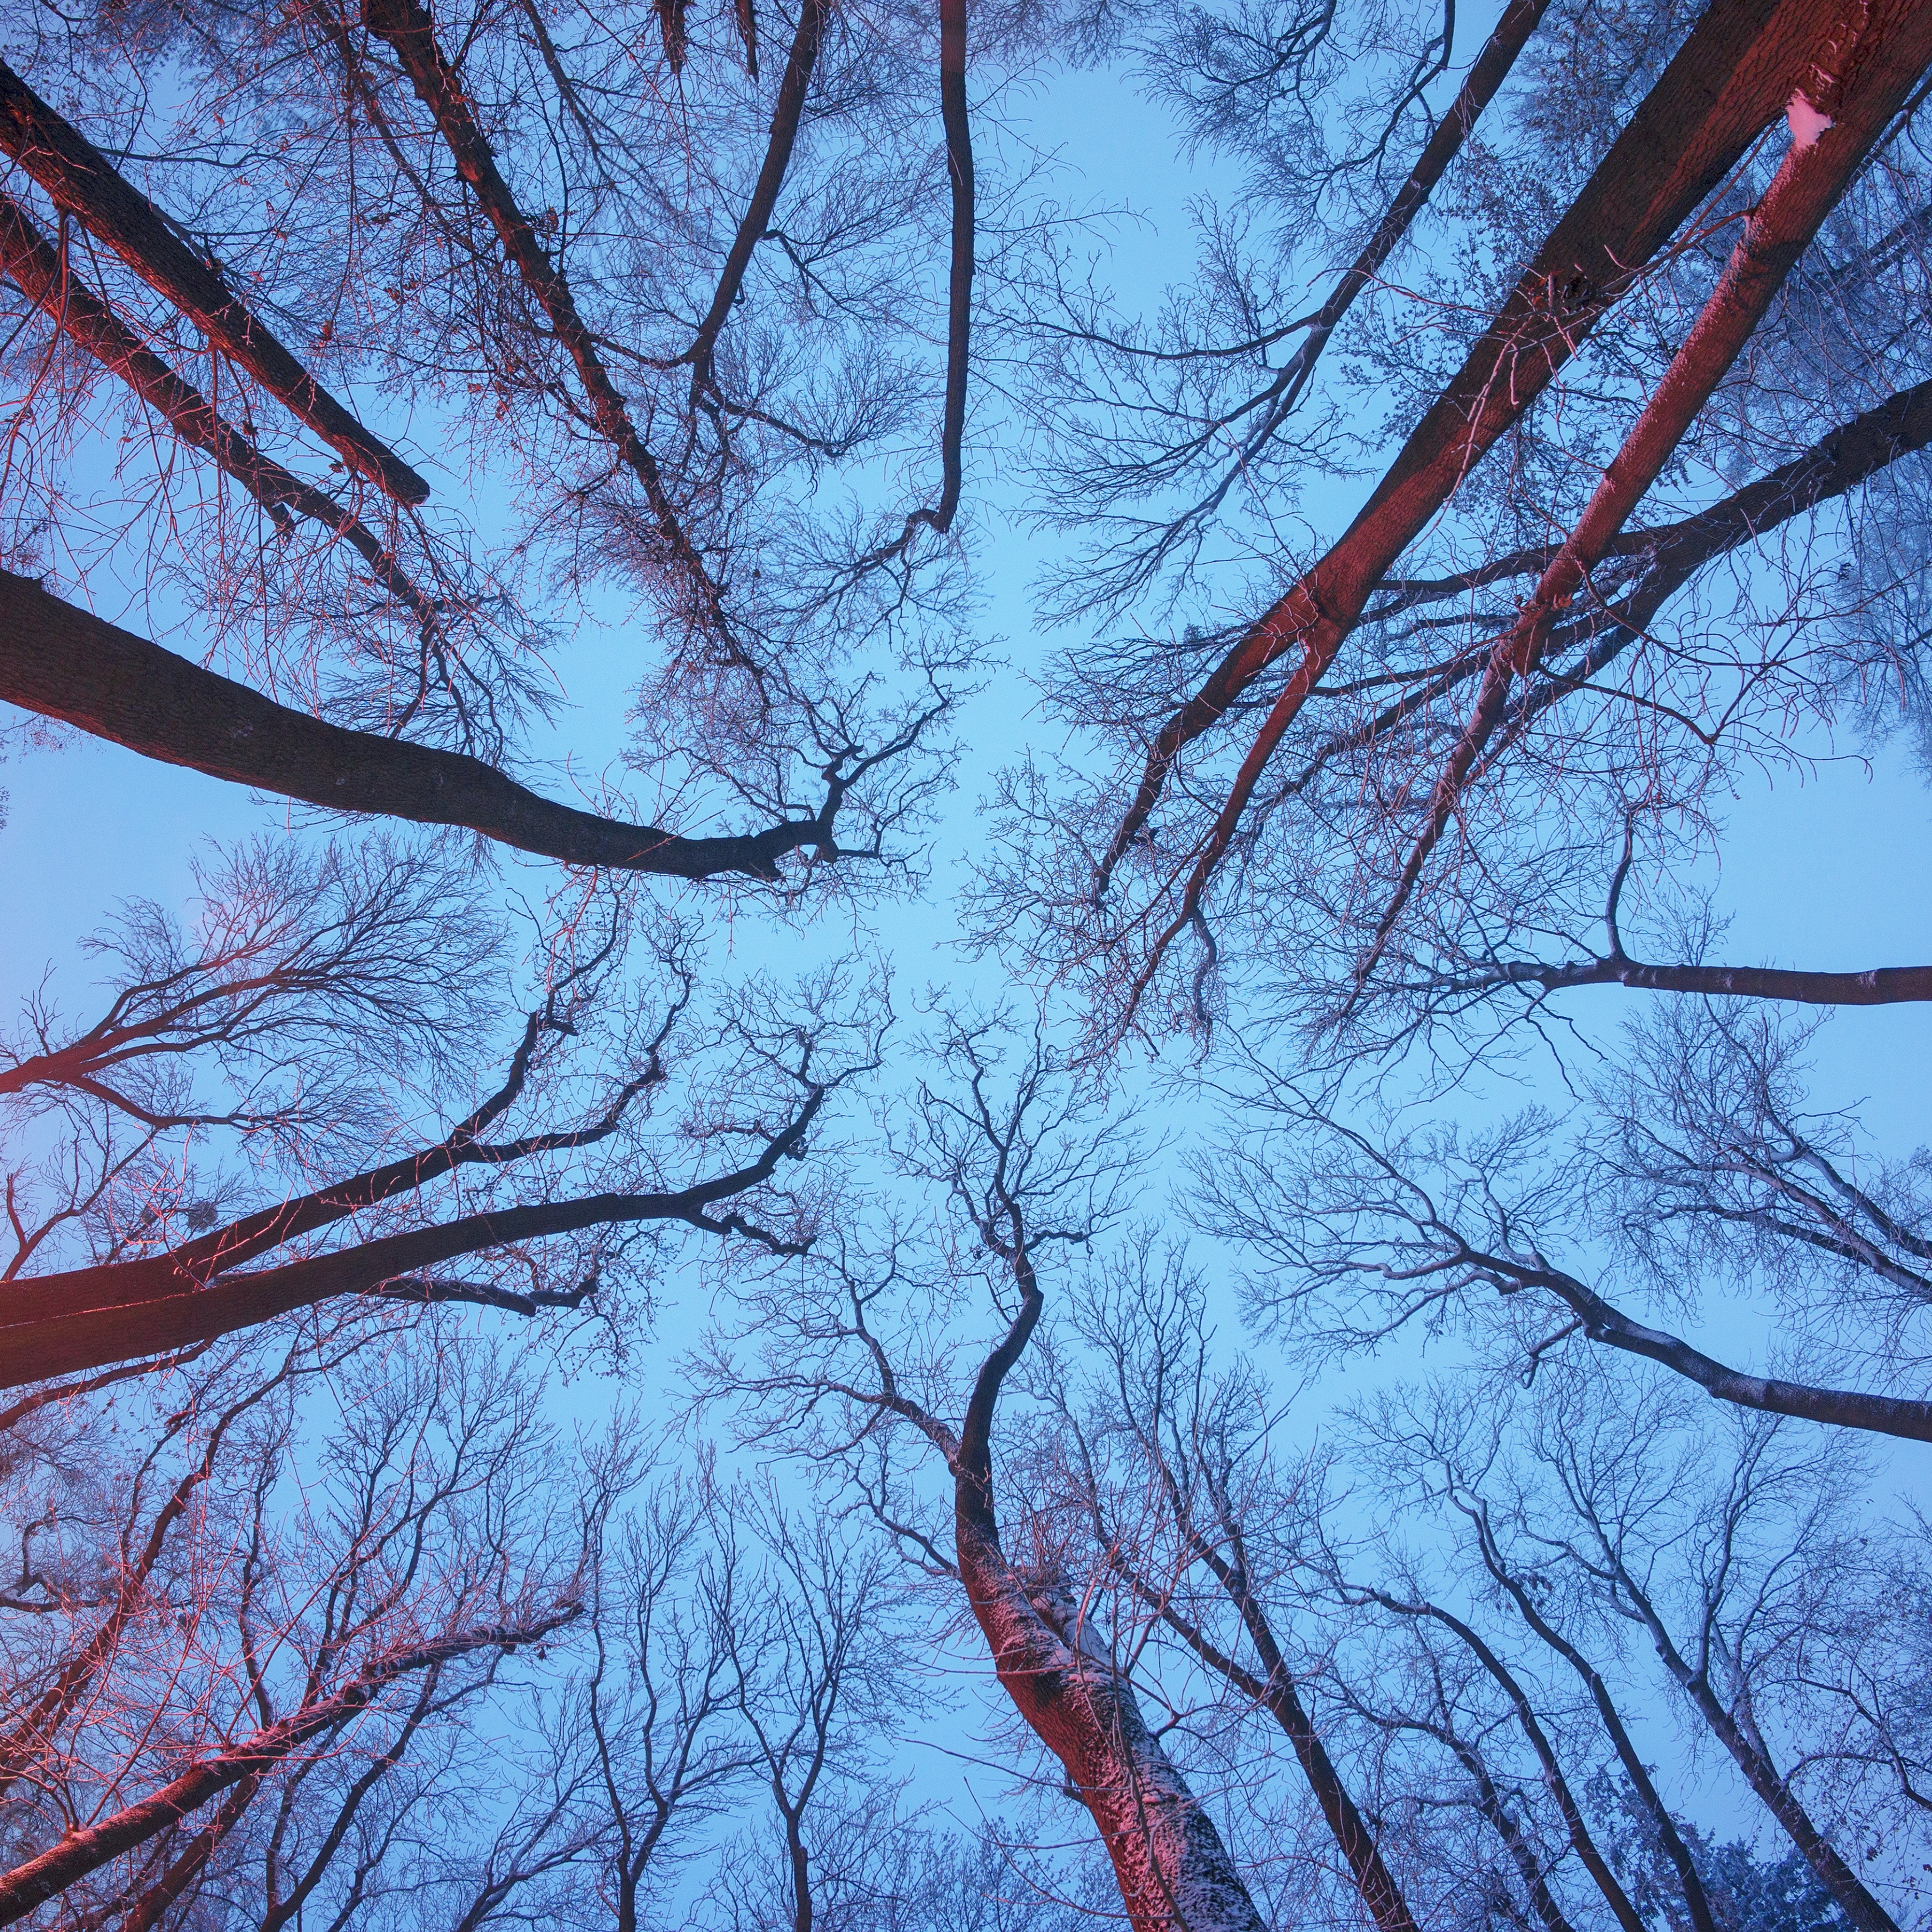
(1732, 76)
(1174, 1872)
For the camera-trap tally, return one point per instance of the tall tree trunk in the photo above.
(1174, 1873)
(79, 178)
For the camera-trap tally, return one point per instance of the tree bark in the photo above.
(66, 663)
(1733, 75)
(1174, 1872)
(79, 178)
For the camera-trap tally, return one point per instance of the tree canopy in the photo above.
(975, 1010)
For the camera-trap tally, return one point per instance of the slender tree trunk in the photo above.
(86, 1850)
(1837, 1876)
(406, 26)
(79, 178)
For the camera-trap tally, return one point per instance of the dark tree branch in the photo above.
(406, 26)
(87, 1849)
(80, 179)
(793, 86)
(1878, 986)
(65, 1324)
(1586, 1847)
(1846, 1408)
(47, 278)
(64, 663)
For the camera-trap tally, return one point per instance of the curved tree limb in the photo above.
(1845, 1408)
(64, 663)
(954, 117)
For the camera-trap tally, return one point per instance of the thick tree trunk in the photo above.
(1734, 75)
(64, 663)
(1174, 1872)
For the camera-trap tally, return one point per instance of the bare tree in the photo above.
(166, 1263)
(1023, 1166)
(1741, 1573)
(1380, 706)
(1701, 1170)
(468, 226)
(199, 1675)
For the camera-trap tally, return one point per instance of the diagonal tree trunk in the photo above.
(1732, 76)
(80, 179)
(406, 27)
(47, 280)
(1867, 59)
